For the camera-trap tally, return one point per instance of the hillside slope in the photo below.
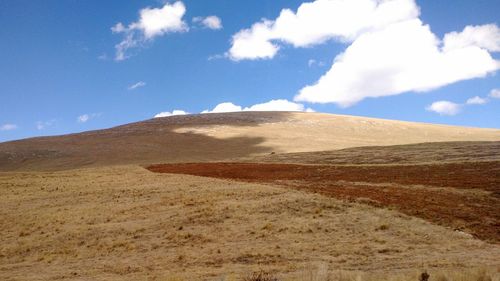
(214, 137)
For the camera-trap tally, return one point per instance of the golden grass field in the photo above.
(84, 207)
(126, 223)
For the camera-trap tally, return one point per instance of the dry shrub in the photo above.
(261, 276)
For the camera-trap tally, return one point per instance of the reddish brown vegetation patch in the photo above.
(464, 196)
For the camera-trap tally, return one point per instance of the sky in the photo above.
(71, 66)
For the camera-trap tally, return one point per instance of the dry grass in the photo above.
(421, 153)
(322, 273)
(463, 196)
(124, 222)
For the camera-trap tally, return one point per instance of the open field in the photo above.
(126, 223)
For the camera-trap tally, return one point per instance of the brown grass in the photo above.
(127, 223)
(420, 153)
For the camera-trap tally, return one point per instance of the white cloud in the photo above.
(136, 85)
(317, 22)
(211, 22)
(8, 127)
(445, 107)
(276, 105)
(224, 107)
(173, 113)
(476, 100)
(273, 105)
(83, 118)
(216, 57)
(400, 58)
(391, 51)
(495, 93)
(483, 36)
(253, 43)
(86, 117)
(153, 22)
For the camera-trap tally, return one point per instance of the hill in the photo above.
(222, 136)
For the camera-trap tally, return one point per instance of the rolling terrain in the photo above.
(217, 137)
(303, 196)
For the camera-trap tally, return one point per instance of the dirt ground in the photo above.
(463, 196)
(126, 223)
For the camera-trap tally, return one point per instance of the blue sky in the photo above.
(59, 73)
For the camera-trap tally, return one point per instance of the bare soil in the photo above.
(463, 196)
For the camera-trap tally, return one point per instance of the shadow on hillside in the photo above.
(150, 141)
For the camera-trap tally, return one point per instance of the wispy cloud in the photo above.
(136, 85)
(86, 117)
(495, 93)
(8, 127)
(42, 125)
(313, 62)
(477, 100)
(102, 57)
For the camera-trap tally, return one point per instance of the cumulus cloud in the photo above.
(277, 105)
(400, 58)
(273, 105)
(173, 113)
(391, 51)
(495, 93)
(224, 107)
(86, 117)
(445, 108)
(210, 22)
(317, 22)
(153, 22)
(451, 108)
(136, 85)
(8, 127)
(476, 100)
(483, 36)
